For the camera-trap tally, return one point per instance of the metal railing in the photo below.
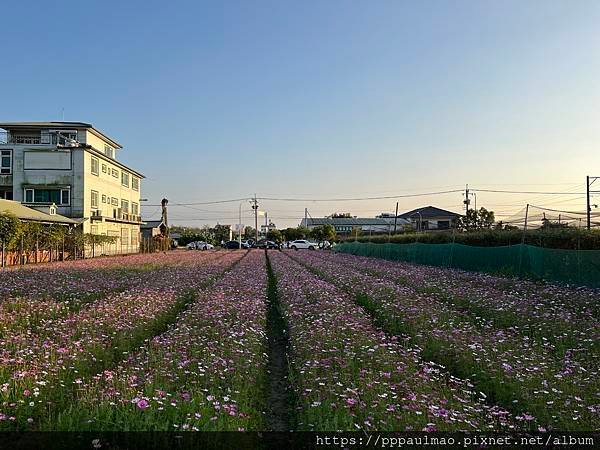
(8, 138)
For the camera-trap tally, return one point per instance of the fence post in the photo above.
(579, 255)
(523, 240)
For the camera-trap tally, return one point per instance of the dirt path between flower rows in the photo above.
(279, 390)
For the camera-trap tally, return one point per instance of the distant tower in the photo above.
(164, 227)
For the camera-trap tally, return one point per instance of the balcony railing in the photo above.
(8, 138)
(42, 139)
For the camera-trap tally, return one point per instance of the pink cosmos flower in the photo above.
(142, 404)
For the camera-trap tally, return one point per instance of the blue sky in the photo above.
(220, 100)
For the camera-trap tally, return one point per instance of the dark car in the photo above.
(263, 243)
(235, 245)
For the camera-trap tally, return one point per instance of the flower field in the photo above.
(244, 340)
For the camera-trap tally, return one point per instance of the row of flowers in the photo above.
(70, 280)
(540, 384)
(534, 308)
(347, 374)
(50, 295)
(207, 372)
(41, 367)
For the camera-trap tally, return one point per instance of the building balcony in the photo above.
(115, 215)
(8, 138)
(57, 139)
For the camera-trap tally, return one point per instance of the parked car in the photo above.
(235, 245)
(303, 244)
(264, 243)
(201, 245)
(191, 246)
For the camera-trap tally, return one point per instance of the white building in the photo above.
(75, 166)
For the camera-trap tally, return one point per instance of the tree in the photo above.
(249, 233)
(221, 233)
(10, 227)
(548, 224)
(291, 234)
(275, 236)
(323, 233)
(476, 220)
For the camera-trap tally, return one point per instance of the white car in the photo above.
(303, 244)
(204, 246)
(191, 246)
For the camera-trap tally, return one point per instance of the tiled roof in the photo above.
(22, 212)
(428, 212)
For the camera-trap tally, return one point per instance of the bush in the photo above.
(564, 238)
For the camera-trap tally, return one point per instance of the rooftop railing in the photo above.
(9, 138)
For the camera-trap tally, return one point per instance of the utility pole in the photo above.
(240, 228)
(306, 217)
(266, 224)
(396, 218)
(588, 183)
(254, 202)
(467, 200)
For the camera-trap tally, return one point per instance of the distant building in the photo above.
(152, 228)
(347, 225)
(74, 166)
(431, 218)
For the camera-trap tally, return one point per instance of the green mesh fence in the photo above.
(569, 266)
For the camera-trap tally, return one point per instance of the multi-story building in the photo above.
(74, 166)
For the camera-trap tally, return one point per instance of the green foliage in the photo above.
(249, 233)
(564, 238)
(323, 233)
(291, 234)
(476, 220)
(275, 236)
(206, 234)
(10, 229)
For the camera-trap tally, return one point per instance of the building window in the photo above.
(58, 196)
(135, 183)
(95, 166)
(6, 162)
(135, 208)
(115, 173)
(94, 199)
(109, 151)
(124, 236)
(124, 206)
(125, 179)
(94, 229)
(65, 197)
(103, 198)
(104, 168)
(114, 201)
(134, 237)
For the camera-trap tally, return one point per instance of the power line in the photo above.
(205, 203)
(527, 192)
(387, 197)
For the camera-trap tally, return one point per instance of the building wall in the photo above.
(42, 165)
